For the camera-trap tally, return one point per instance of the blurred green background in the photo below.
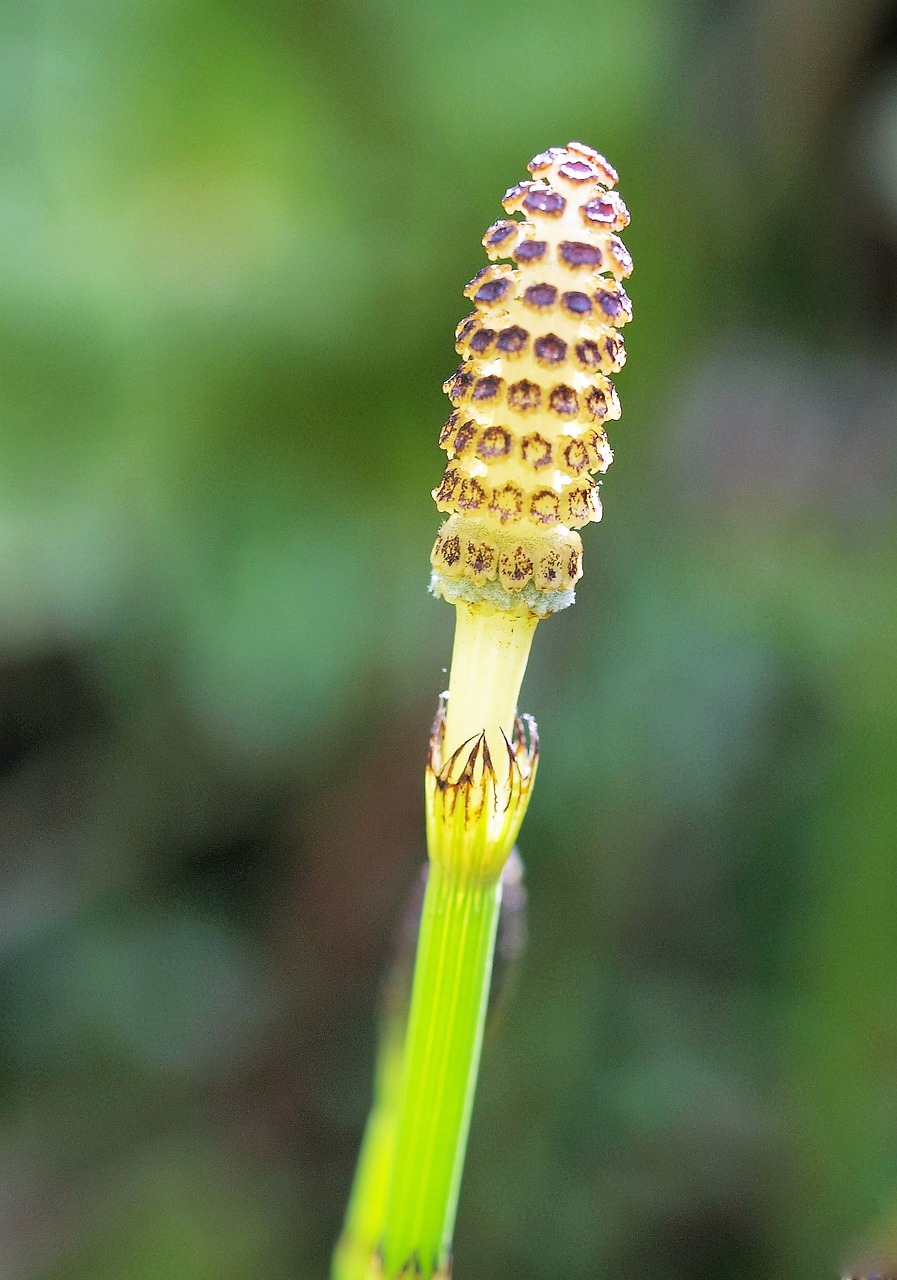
(233, 239)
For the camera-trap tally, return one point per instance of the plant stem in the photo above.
(442, 1054)
(367, 1203)
(488, 661)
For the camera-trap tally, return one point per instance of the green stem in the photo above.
(442, 1054)
(367, 1203)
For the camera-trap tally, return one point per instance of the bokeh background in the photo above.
(233, 238)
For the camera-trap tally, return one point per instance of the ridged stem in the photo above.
(442, 1054)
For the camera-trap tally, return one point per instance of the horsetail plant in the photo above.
(363, 1224)
(524, 441)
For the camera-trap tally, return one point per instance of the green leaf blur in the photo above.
(233, 239)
